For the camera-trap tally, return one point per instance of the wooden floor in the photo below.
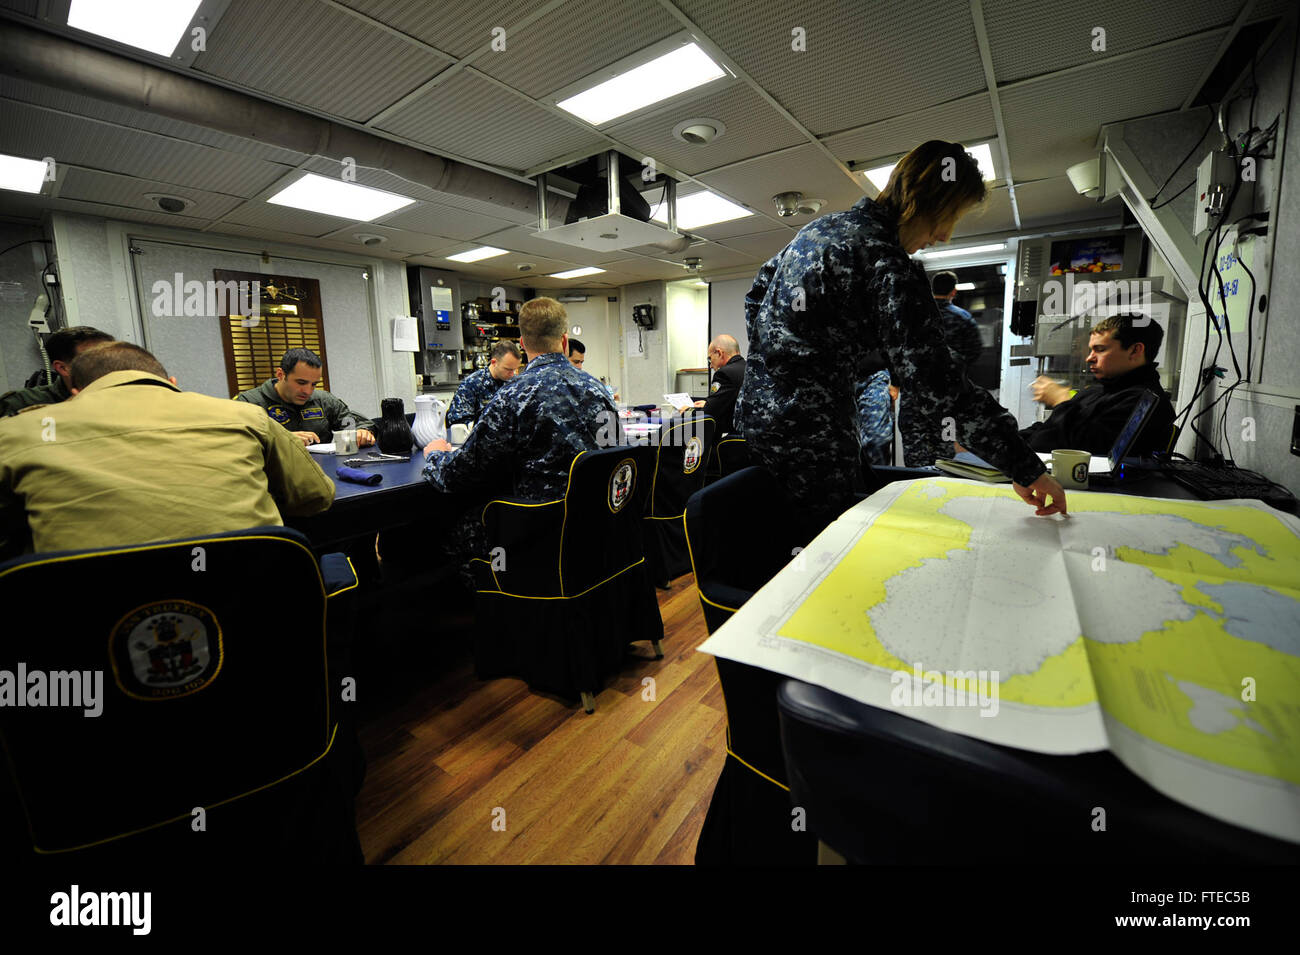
(466, 772)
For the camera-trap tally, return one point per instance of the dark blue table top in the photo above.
(396, 474)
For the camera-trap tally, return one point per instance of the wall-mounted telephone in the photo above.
(644, 315)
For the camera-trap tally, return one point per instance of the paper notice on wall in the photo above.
(406, 335)
(634, 347)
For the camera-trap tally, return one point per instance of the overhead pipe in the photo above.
(50, 60)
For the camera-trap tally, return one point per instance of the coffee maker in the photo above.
(435, 296)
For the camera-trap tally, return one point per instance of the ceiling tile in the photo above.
(1055, 200)
(258, 212)
(439, 220)
(993, 216)
(475, 118)
(458, 27)
(1050, 126)
(576, 40)
(764, 245)
(36, 132)
(753, 127)
(306, 52)
(117, 190)
(864, 61)
(1029, 37)
(968, 121)
(805, 170)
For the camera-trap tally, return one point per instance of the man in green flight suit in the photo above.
(61, 347)
(291, 398)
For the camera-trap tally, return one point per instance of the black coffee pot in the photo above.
(392, 433)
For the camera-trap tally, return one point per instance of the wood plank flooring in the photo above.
(450, 755)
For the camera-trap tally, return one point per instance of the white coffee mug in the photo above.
(457, 434)
(345, 442)
(1070, 468)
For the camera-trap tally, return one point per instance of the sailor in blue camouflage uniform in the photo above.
(481, 386)
(845, 286)
(528, 435)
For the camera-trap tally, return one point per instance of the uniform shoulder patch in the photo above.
(714, 387)
(165, 650)
(278, 414)
(621, 484)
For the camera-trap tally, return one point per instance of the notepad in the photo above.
(321, 448)
(679, 400)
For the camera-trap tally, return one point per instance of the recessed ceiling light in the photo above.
(968, 250)
(965, 286)
(683, 69)
(21, 175)
(333, 197)
(700, 209)
(576, 273)
(473, 255)
(982, 153)
(153, 25)
(699, 132)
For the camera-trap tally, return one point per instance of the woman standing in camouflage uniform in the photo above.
(845, 286)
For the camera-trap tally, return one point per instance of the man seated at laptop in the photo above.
(1121, 356)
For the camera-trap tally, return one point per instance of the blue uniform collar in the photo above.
(545, 361)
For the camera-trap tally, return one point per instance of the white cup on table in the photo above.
(1070, 468)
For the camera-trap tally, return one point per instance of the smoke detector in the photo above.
(794, 204)
(369, 238)
(699, 132)
(527, 267)
(172, 204)
(692, 263)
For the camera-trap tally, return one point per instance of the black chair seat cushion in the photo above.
(881, 787)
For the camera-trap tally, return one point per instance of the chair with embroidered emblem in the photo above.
(679, 471)
(214, 730)
(571, 576)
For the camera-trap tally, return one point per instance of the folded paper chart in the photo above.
(1166, 631)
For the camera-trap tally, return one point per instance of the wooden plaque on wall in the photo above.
(287, 314)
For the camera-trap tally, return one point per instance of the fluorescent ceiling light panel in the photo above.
(983, 154)
(700, 209)
(968, 250)
(576, 273)
(333, 197)
(21, 175)
(474, 255)
(153, 25)
(683, 69)
(965, 286)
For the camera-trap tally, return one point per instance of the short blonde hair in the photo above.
(543, 322)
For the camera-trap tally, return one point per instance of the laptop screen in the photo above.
(1132, 428)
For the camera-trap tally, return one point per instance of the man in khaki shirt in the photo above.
(130, 458)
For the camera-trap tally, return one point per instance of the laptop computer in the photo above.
(1117, 469)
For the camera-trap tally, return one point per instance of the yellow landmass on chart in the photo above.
(912, 530)
(1180, 681)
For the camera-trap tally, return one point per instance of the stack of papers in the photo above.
(970, 465)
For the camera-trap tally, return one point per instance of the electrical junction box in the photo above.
(1214, 178)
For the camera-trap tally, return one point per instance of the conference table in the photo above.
(360, 510)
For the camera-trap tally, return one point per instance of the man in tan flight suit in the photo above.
(130, 458)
